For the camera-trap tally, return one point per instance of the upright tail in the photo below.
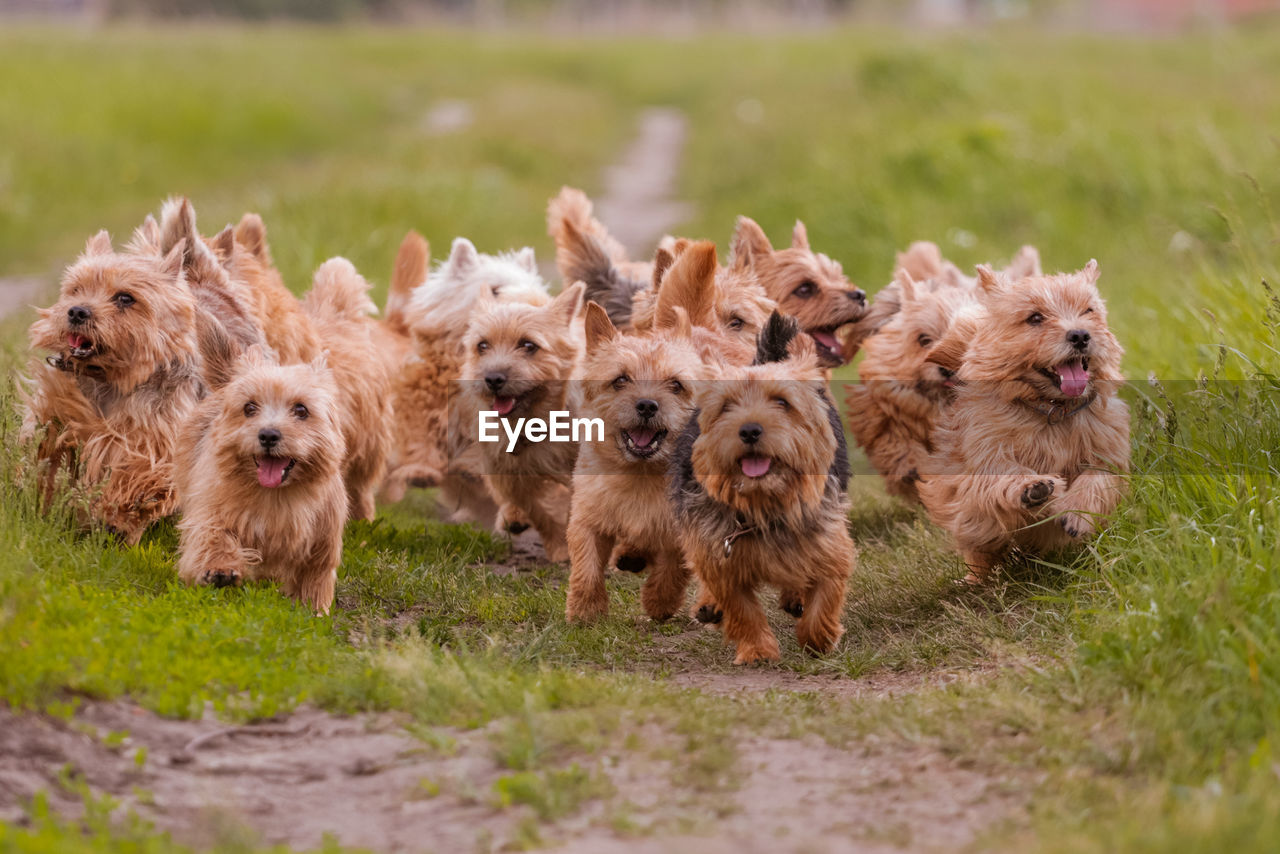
(586, 253)
(410, 271)
(338, 292)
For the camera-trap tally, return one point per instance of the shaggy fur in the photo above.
(123, 369)
(430, 449)
(758, 485)
(805, 284)
(642, 388)
(260, 474)
(1032, 452)
(893, 409)
(518, 363)
(338, 306)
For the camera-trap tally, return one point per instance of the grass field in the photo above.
(1135, 689)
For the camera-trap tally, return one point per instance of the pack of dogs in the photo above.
(178, 376)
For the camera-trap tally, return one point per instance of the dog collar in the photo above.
(1056, 413)
(741, 529)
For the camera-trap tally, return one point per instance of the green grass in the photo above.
(1139, 681)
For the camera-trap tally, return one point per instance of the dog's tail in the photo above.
(338, 292)
(585, 252)
(410, 271)
(777, 335)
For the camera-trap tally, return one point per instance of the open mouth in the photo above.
(754, 466)
(829, 349)
(273, 471)
(1071, 377)
(504, 405)
(79, 346)
(643, 443)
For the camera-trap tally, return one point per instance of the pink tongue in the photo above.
(642, 438)
(826, 339)
(755, 466)
(504, 404)
(1075, 379)
(271, 471)
(76, 341)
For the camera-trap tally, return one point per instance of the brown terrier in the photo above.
(1032, 452)
(642, 389)
(758, 485)
(893, 409)
(260, 475)
(519, 360)
(124, 368)
(805, 284)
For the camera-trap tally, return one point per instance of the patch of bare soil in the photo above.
(880, 684)
(368, 783)
(19, 293)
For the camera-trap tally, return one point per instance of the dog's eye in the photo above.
(736, 323)
(924, 340)
(805, 290)
(1089, 310)
(493, 289)
(528, 346)
(784, 403)
(621, 380)
(482, 347)
(677, 387)
(300, 412)
(122, 299)
(250, 409)
(1036, 318)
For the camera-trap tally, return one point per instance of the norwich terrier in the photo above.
(124, 368)
(428, 450)
(758, 484)
(260, 475)
(630, 291)
(892, 411)
(642, 389)
(1032, 452)
(805, 284)
(519, 359)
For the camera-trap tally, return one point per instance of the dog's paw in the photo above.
(631, 563)
(792, 604)
(912, 476)
(1077, 525)
(511, 520)
(708, 613)
(221, 578)
(755, 652)
(1037, 492)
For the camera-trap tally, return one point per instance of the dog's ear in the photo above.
(146, 237)
(463, 256)
(525, 258)
(749, 240)
(566, 304)
(173, 262)
(675, 323)
(772, 343)
(598, 327)
(320, 364)
(906, 286)
(224, 244)
(799, 236)
(251, 233)
(951, 347)
(923, 260)
(690, 284)
(1090, 271)
(988, 280)
(177, 222)
(1026, 262)
(99, 244)
(662, 262)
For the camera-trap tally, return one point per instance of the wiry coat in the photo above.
(786, 527)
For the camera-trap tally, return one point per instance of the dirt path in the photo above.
(370, 784)
(19, 293)
(638, 203)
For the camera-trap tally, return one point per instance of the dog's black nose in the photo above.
(268, 437)
(750, 432)
(1078, 338)
(495, 380)
(647, 408)
(946, 373)
(858, 295)
(78, 314)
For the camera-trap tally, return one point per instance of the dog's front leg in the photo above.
(588, 550)
(746, 625)
(663, 591)
(209, 554)
(1086, 504)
